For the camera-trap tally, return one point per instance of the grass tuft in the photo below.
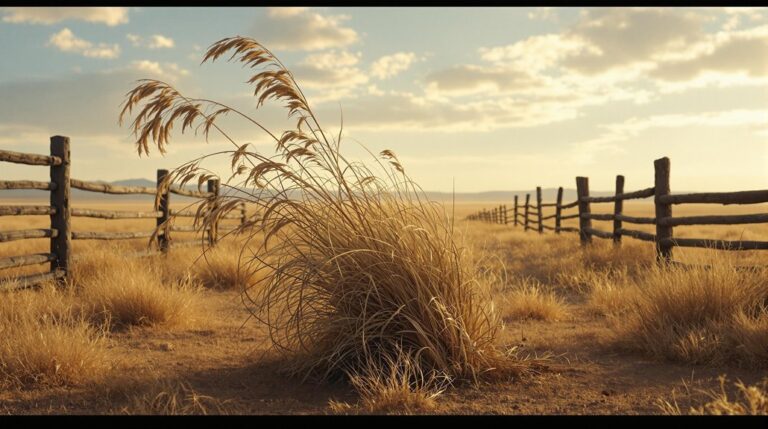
(529, 300)
(749, 400)
(701, 316)
(361, 266)
(45, 339)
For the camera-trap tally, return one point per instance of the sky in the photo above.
(487, 99)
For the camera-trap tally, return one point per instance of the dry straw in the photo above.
(360, 266)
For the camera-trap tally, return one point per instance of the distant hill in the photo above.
(134, 182)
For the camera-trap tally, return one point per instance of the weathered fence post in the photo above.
(558, 209)
(618, 208)
(585, 223)
(663, 233)
(213, 230)
(506, 213)
(527, 205)
(61, 243)
(243, 215)
(538, 206)
(495, 218)
(163, 240)
(515, 216)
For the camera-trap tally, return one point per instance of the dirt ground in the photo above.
(225, 361)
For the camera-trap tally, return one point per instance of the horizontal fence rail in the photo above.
(637, 220)
(24, 234)
(664, 221)
(60, 232)
(716, 244)
(31, 280)
(28, 158)
(27, 184)
(90, 235)
(725, 198)
(26, 210)
(24, 260)
(640, 235)
(111, 189)
(188, 193)
(643, 193)
(110, 214)
(714, 220)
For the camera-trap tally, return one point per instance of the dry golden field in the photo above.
(600, 330)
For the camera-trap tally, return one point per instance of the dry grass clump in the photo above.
(45, 339)
(749, 335)
(174, 398)
(539, 257)
(698, 315)
(530, 300)
(394, 386)
(121, 292)
(750, 400)
(223, 268)
(57, 336)
(361, 265)
(610, 293)
(633, 257)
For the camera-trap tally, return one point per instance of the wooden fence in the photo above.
(664, 221)
(60, 212)
(525, 216)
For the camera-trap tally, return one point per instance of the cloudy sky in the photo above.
(493, 98)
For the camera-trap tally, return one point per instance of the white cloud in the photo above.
(620, 37)
(169, 71)
(156, 41)
(728, 118)
(734, 52)
(473, 79)
(392, 65)
(66, 41)
(110, 16)
(285, 12)
(159, 41)
(333, 74)
(543, 14)
(302, 29)
(606, 56)
(379, 110)
(135, 39)
(536, 53)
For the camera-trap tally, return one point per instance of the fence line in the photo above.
(664, 221)
(61, 213)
